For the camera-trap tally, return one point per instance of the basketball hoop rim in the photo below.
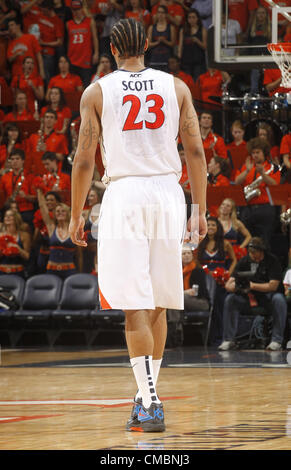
(279, 47)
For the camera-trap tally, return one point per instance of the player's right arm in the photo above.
(194, 151)
(84, 160)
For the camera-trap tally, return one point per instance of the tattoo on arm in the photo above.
(90, 134)
(190, 124)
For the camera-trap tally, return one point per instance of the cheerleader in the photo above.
(64, 254)
(15, 245)
(234, 230)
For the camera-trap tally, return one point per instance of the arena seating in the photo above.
(202, 319)
(49, 308)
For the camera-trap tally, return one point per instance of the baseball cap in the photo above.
(76, 4)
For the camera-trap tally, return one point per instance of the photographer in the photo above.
(256, 279)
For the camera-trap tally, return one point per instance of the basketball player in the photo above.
(138, 112)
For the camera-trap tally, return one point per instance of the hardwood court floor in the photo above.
(81, 400)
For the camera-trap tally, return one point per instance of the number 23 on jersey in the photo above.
(132, 121)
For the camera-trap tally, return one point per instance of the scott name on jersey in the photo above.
(137, 85)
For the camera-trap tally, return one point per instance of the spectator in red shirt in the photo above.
(192, 45)
(237, 149)
(259, 216)
(30, 83)
(237, 131)
(57, 102)
(211, 84)
(31, 12)
(16, 185)
(266, 132)
(20, 46)
(135, 10)
(243, 11)
(45, 140)
(65, 80)
(211, 140)
(174, 69)
(219, 175)
(219, 172)
(82, 42)
(54, 179)
(20, 110)
(272, 81)
(285, 150)
(11, 140)
(51, 37)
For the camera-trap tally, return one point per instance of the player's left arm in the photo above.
(84, 160)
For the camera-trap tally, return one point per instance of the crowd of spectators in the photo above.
(51, 50)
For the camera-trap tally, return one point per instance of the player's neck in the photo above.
(132, 64)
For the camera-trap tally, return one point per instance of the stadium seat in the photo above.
(15, 284)
(41, 296)
(79, 297)
(203, 319)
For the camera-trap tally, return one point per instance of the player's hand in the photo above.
(202, 227)
(76, 231)
(197, 229)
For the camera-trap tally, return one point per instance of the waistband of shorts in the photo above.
(106, 180)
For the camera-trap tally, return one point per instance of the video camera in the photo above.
(242, 281)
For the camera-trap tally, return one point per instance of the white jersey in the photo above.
(140, 124)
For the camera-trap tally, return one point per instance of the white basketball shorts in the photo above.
(140, 236)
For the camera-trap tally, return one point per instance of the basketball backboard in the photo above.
(224, 54)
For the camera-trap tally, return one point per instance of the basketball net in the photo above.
(281, 53)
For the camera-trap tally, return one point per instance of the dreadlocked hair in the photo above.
(128, 36)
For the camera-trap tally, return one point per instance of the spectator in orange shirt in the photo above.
(272, 81)
(265, 131)
(237, 149)
(57, 102)
(211, 140)
(285, 150)
(45, 140)
(243, 11)
(51, 37)
(218, 176)
(54, 179)
(237, 131)
(31, 13)
(65, 80)
(174, 69)
(16, 185)
(192, 45)
(135, 10)
(11, 140)
(211, 83)
(30, 83)
(20, 110)
(259, 216)
(20, 46)
(82, 42)
(219, 172)
(162, 39)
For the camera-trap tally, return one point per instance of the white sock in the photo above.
(142, 367)
(156, 370)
